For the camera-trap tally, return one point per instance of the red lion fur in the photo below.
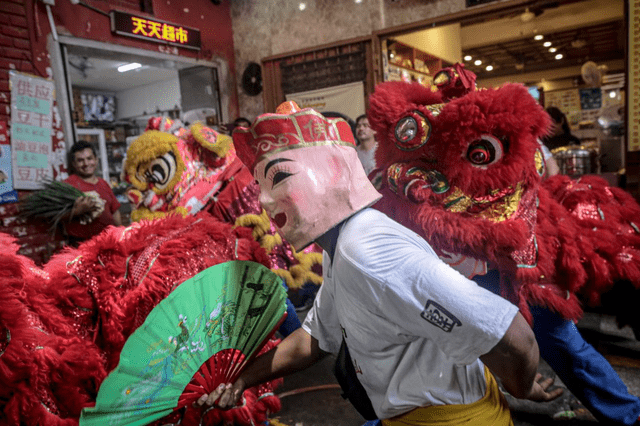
(47, 373)
(69, 321)
(576, 258)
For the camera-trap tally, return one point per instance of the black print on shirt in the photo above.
(439, 316)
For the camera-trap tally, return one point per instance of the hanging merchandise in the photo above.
(31, 111)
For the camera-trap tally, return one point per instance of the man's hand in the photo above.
(539, 391)
(84, 205)
(226, 395)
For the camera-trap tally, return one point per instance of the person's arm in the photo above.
(552, 166)
(297, 352)
(117, 218)
(515, 361)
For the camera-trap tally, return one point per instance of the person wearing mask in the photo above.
(423, 341)
(560, 131)
(100, 197)
(367, 144)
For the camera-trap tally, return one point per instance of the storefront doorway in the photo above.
(571, 55)
(107, 93)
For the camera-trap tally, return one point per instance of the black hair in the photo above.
(238, 122)
(77, 147)
(360, 117)
(559, 117)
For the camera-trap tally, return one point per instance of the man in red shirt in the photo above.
(83, 164)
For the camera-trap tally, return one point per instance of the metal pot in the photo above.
(574, 161)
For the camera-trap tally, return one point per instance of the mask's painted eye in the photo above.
(412, 131)
(279, 177)
(160, 171)
(484, 151)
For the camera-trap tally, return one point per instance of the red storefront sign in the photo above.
(140, 27)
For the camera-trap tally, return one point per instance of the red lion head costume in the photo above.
(464, 169)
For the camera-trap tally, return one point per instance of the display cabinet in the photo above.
(406, 63)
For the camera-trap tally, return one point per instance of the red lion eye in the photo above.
(484, 151)
(412, 131)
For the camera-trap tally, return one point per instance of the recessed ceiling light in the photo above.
(477, 62)
(468, 58)
(546, 44)
(302, 6)
(538, 37)
(358, 1)
(489, 68)
(129, 67)
(559, 56)
(552, 49)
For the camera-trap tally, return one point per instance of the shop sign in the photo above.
(140, 27)
(347, 99)
(31, 127)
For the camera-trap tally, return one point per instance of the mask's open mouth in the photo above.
(280, 219)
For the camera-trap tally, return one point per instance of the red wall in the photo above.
(24, 27)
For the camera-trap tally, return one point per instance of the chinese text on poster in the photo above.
(31, 111)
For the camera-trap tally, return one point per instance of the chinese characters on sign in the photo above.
(31, 108)
(153, 30)
(7, 193)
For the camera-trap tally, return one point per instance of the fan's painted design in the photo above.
(209, 326)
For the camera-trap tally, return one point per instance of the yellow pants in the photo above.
(490, 410)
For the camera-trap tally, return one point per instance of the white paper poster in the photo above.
(347, 99)
(31, 112)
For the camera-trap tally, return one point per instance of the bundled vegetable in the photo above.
(56, 201)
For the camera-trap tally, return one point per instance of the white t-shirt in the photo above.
(367, 158)
(414, 326)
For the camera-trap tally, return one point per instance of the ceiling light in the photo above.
(559, 56)
(612, 94)
(477, 62)
(468, 58)
(538, 37)
(546, 44)
(129, 67)
(489, 68)
(552, 49)
(358, 1)
(302, 6)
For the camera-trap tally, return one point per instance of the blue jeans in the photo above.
(587, 374)
(292, 322)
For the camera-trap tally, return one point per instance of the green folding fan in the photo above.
(201, 335)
